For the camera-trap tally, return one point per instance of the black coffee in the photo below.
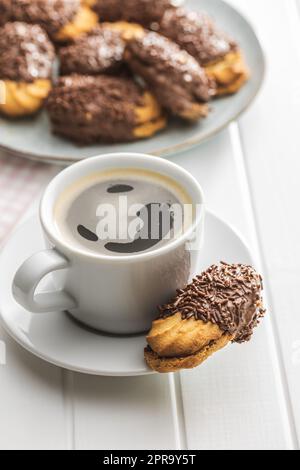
(121, 212)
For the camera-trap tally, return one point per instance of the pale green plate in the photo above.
(33, 139)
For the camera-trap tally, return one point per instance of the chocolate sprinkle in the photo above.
(228, 295)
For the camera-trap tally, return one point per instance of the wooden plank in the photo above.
(272, 167)
(123, 413)
(32, 407)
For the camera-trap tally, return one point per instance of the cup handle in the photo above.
(30, 274)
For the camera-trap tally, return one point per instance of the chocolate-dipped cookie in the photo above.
(62, 19)
(26, 61)
(220, 55)
(174, 76)
(222, 305)
(88, 109)
(101, 51)
(145, 12)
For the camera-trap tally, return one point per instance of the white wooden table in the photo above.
(245, 397)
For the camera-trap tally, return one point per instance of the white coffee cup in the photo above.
(114, 294)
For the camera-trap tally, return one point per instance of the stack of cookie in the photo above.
(122, 71)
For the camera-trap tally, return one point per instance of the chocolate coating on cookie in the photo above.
(226, 295)
(100, 51)
(144, 12)
(26, 54)
(52, 15)
(197, 34)
(174, 76)
(89, 109)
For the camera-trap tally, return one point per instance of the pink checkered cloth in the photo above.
(21, 181)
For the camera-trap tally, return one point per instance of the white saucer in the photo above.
(58, 339)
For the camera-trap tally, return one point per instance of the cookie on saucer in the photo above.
(62, 19)
(89, 109)
(173, 75)
(220, 55)
(26, 61)
(222, 305)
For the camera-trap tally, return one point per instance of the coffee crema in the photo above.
(123, 212)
